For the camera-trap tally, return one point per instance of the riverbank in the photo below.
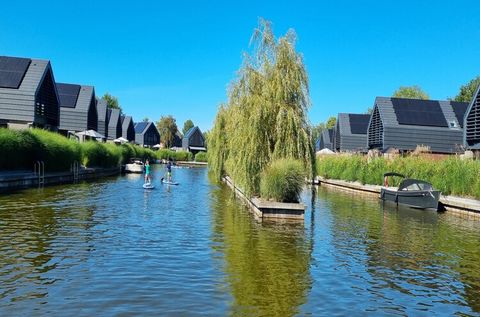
(16, 180)
(464, 206)
(451, 176)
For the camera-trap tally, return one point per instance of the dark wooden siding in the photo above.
(93, 115)
(472, 123)
(47, 111)
(375, 131)
(151, 137)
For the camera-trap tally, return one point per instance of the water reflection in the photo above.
(267, 265)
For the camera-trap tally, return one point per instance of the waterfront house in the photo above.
(194, 141)
(350, 132)
(405, 123)
(28, 95)
(325, 140)
(78, 111)
(102, 111)
(146, 134)
(114, 124)
(128, 129)
(471, 133)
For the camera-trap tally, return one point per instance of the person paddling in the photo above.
(169, 171)
(147, 172)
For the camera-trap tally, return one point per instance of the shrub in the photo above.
(201, 157)
(165, 154)
(183, 156)
(57, 151)
(20, 149)
(97, 154)
(283, 180)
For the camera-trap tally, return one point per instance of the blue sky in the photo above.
(178, 57)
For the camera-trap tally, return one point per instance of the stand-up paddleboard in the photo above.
(168, 183)
(148, 186)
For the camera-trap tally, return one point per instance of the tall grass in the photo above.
(283, 180)
(452, 176)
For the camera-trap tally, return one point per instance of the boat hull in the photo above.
(413, 198)
(133, 168)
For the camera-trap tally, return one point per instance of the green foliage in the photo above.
(201, 157)
(265, 117)
(187, 126)
(166, 154)
(20, 149)
(330, 124)
(283, 180)
(411, 92)
(452, 176)
(468, 90)
(112, 102)
(167, 127)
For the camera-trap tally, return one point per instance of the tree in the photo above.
(187, 125)
(146, 119)
(112, 102)
(411, 92)
(265, 117)
(317, 131)
(330, 124)
(167, 126)
(468, 90)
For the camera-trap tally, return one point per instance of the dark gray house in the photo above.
(114, 124)
(471, 134)
(350, 132)
(193, 140)
(405, 123)
(146, 134)
(28, 95)
(326, 140)
(128, 129)
(102, 112)
(78, 111)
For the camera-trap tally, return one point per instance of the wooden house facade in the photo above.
(114, 124)
(146, 134)
(102, 111)
(471, 133)
(128, 129)
(326, 140)
(350, 132)
(78, 111)
(405, 123)
(28, 94)
(193, 140)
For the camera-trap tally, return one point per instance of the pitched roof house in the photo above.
(471, 134)
(78, 111)
(405, 123)
(128, 129)
(114, 124)
(28, 94)
(193, 140)
(350, 132)
(146, 134)
(102, 112)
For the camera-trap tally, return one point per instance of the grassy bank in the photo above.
(452, 176)
(20, 149)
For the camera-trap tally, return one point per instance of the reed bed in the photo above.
(451, 176)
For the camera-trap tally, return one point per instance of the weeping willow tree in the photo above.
(265, 117)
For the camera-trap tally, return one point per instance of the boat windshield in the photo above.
(414, 184)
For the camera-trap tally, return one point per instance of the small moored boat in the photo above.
(411, 192)
(135, 166)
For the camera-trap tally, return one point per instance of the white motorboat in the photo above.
(135, 166)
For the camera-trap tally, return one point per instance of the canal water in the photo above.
(111, 248)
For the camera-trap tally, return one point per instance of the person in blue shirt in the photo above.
(169, 171)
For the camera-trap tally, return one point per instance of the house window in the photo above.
(453, 124)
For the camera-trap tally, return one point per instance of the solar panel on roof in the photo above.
(419, 112)
(12, 71)
(359, 123)
(139, 127)
(459, 108)
(68, 94)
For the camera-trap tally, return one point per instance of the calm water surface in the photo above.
(111, 248)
